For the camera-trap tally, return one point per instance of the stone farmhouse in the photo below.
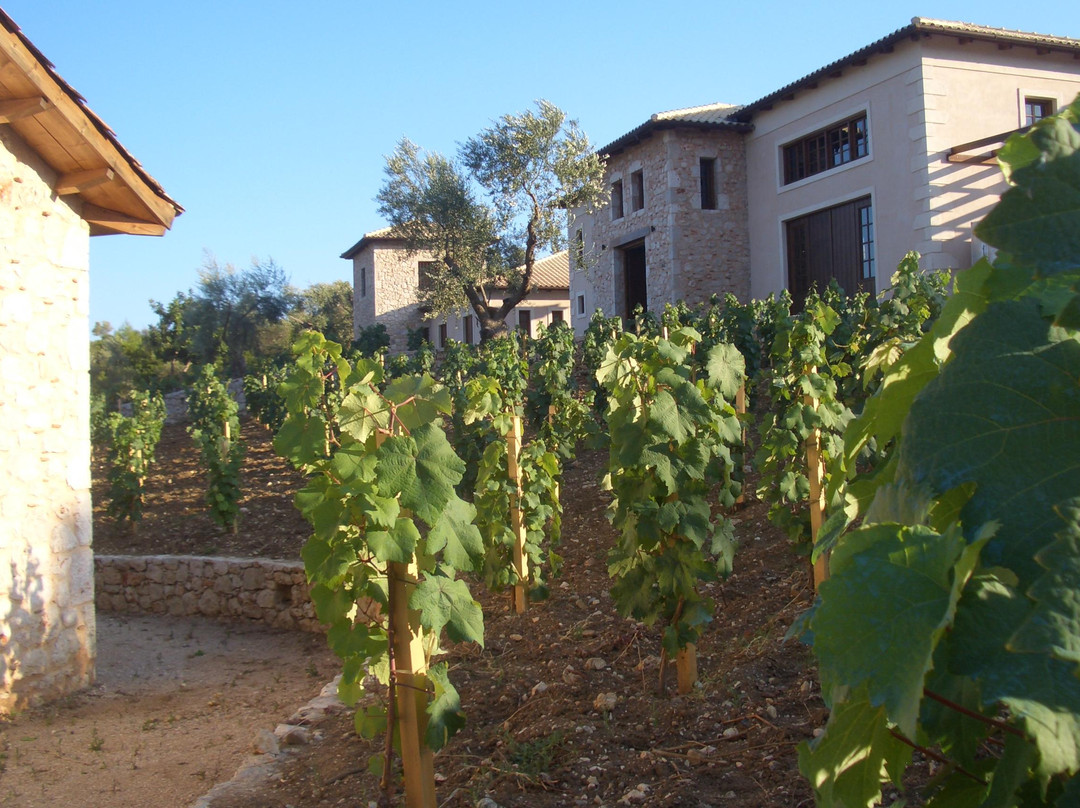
(838, 174)
(64, 177)
(387, 278)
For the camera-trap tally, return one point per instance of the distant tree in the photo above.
(328, 308)
(121, 360)
(170, 337)
(487, 217)
(230, 308)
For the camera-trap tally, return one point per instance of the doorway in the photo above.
(634, 283)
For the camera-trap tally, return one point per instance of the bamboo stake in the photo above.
(521, 559)
(815, 472)
(410, 669)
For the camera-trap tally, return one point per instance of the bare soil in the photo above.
(535, 735)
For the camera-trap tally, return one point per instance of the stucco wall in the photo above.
(921, 100)
(690, 253)
(47, 643)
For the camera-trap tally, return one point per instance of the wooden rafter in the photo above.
(103, 221)
(78, 181)
(14, 109)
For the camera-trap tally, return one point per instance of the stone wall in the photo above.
(271, 592)
(690, 253)
(46, 564)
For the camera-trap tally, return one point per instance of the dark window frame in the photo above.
(443, 336)
(467, 329)
(637, 191)
(363, 281)
(833, 146)
(557, 316)
(525, 321)
(707, 180)
(836, 241)
(617, 211)
(1036, 108)
(581, 304)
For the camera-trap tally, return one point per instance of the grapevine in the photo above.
(133, 441)
(390, 535)
(670, 439)
(215, 429)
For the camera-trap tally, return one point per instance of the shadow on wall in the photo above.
(46, 639)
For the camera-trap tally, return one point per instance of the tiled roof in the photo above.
(382, 234)
(709, 116)
(552, 272)
(920, 27)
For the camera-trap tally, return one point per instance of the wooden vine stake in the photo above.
(409, 676)
(517, 525)
(740, 410)
(815, 472)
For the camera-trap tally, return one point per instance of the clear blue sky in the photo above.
(269, 121)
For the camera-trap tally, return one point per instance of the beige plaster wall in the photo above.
(47, 625)
(921, 100)
(690, 253)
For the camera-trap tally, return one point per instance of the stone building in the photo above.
(387, 278)
(675, 226)
(63, 178)
(837, 174)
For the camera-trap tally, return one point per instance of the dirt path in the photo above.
(176, 708)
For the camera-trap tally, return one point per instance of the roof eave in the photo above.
(147, 210)
(646, 130)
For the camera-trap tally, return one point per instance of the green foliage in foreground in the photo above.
(380, 490)
(950, 621)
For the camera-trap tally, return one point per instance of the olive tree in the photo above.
(486, 216)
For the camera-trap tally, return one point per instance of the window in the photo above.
(363, 281)
(579, 249)
(1035, 109)
(834, 243)
(581, 304)
(637, 191)
(426, 275)
(616, 200)
(827, 148)
(525, 321)
(556, 316)
(442, 335)
(467, 327)
(707, 170)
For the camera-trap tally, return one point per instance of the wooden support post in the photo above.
(521, 558)
(686, 668)
(410, 668)
(410, 678)
(815, 472)
(740, 409)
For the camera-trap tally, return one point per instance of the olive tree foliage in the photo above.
(231, 311)
(488, 215)
(327, 308)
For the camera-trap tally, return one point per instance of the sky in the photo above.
(269, 122)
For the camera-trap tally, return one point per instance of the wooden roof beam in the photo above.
(13, 109)
(104, 221)
(76, 182)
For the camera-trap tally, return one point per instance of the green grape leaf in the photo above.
(397, 544)
(1004, 414)
(447, 602)
(438, 469)
(726, 369)
(848, 763)
(456, 535)
(445, 716)
(1042, 693)
(1054, 625)
(361, 412)
(890, 595)
(1037, 222)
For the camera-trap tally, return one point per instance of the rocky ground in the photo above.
(563, 703)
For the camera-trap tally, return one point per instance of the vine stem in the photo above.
(952, 764)
(1003, 726)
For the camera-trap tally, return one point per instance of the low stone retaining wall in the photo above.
(270, 592)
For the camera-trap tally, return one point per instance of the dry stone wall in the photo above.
(47, 625)
(274, 593)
